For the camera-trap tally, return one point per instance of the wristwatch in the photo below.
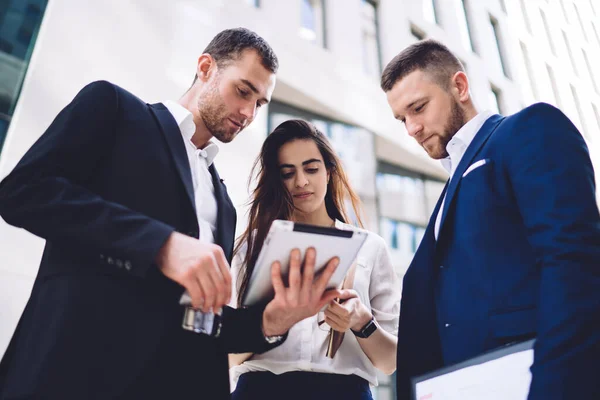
(366, 330)
(273, 339)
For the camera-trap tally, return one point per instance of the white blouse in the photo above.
(378, 288)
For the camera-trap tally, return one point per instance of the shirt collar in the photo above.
(459, 143)
(185, 120)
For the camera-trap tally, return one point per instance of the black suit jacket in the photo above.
(106, 185)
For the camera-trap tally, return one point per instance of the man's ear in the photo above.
(460, 84)
(206, 67)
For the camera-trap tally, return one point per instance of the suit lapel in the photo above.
(177, 148)
(226, 217)
(478, 141)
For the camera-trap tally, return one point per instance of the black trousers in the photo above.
(300, 386)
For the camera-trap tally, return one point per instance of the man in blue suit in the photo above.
(133, 211)
(512, 250)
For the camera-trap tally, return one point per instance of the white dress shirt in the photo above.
(378, 288)
(456, 148)
(200, 160)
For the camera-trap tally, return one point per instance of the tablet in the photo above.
(283, 237)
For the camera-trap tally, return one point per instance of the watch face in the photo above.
(367, 330)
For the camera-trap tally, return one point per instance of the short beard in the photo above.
(213, 112)
(455, 122)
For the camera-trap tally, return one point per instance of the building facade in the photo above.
(331, 52)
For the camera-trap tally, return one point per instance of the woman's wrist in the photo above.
(364, 317)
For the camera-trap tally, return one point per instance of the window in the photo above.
(499, 46)
(253, 3)
(548, 32)
(464, 26)
(590, 71)
(430, 13)
(403, 237)
(417, 33)
(530, 76)
(371, 58)
(581, 25)
(502, 5)
(570, 53)
(555, 92)
(525, 16)
(496, 100)
(596, 33)
(18, 35)
(579, 111)
(597, 115)
(312, 21)
(564, 10)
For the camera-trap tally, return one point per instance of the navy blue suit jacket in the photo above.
(105, 185)
(517, 257)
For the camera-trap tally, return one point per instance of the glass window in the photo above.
(597, 115)
(254, 3)
(579, 111)
(555, 93)
(371, 59)
(464, 26)
(495, 100)
(502, 5)
(19, 24)
(590, 71)
(417, 33)
(499, 46)
(528, 69)
(525, 16)
(581, 25)
(548, 32)
(430, 11)
(570, 53)
(312, 21)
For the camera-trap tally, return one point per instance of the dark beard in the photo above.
(455, 122)
(214, 115)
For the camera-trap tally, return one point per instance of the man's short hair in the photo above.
(229, 45)
(429, 56)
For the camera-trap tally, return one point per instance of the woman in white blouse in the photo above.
(300, 178)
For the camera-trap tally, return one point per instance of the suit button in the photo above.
(119, 263)
(102, 256)
(447, 325)
(110, 260)
(441, 267)
(128, 265)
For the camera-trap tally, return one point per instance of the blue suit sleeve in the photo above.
(47, 192)
(552, 178)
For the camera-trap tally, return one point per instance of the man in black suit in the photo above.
(132, 210)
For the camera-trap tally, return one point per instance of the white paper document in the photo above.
(504, 377)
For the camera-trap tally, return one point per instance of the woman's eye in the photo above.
(418, 109)
(287, 175)
(312, 170)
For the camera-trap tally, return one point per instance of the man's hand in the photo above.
(349, 314)
(302, 298)
(201, 268)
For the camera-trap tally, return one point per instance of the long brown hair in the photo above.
(271, 200)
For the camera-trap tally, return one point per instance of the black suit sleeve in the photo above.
(47, 192)
(242, 330)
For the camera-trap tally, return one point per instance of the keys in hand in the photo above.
(201, 268)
